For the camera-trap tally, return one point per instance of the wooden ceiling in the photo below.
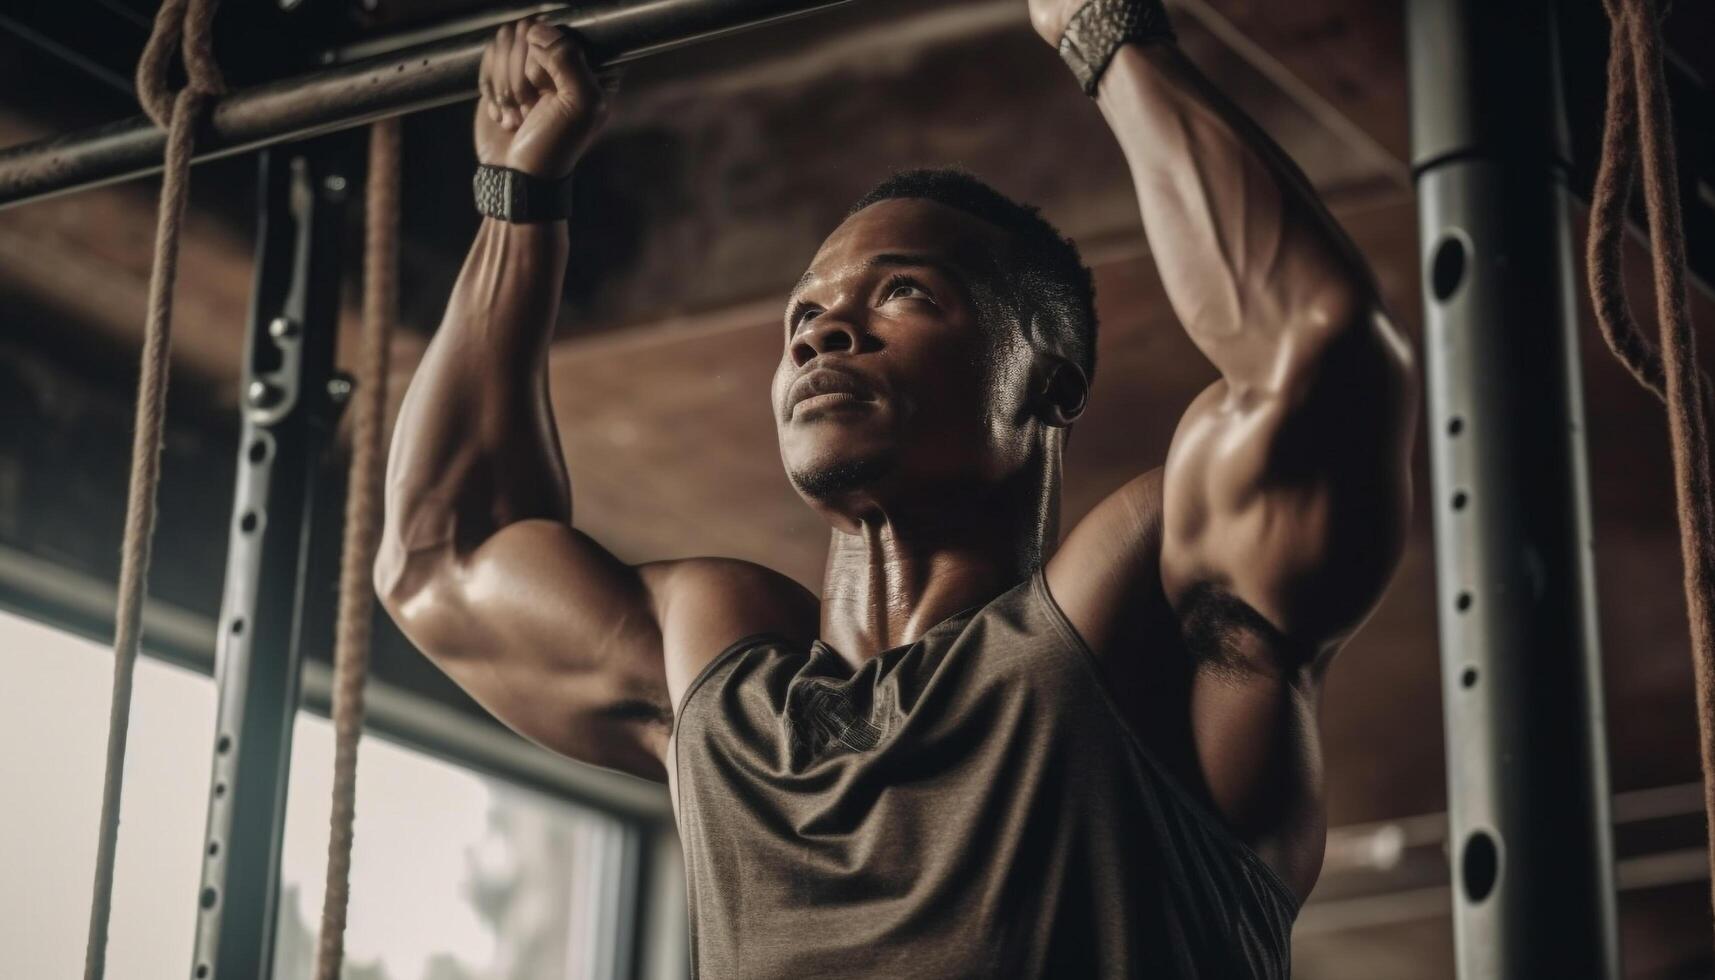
(719, 175)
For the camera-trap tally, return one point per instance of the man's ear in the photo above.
(1061, 391)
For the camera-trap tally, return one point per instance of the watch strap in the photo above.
(520, 198)
(1101, 27)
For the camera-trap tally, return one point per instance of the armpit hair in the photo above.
(1225, 634)
(642, 711)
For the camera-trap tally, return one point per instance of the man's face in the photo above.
(902, 371)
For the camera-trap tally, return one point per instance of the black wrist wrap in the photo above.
(517, 197)
(1100, 27)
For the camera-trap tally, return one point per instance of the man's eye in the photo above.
(807, 316)
(908, 288)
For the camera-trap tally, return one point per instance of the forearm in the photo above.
(1248, 256)
(475, 448)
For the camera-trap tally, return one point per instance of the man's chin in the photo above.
(833, 479)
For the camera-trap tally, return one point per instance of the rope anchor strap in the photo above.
(1638, 141)
(186, 25)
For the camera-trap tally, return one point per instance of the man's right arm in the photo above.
(479, 562)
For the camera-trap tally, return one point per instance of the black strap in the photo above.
(520, 198)
(1101, 27)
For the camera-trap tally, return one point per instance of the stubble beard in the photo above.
(839, 479)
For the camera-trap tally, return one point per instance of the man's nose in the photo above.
(826, 334)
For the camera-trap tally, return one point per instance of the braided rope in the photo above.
(192, 24)
(362, 529)
(1639, 129)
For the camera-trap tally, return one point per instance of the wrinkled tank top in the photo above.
(970, 805)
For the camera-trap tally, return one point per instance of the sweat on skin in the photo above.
(1211, 591)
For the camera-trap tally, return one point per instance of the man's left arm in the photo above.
(1287, 483)
(1285, 496)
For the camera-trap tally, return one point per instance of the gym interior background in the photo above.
(478, 855)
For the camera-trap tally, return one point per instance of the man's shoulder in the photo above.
(1108, 568)
(705, 604)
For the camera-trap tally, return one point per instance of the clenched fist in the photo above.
(541, 105)
(1050, 17)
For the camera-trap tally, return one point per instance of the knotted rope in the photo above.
(186, 25)
(1639, 128)
(362, 528)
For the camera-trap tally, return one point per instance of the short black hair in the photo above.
(1046, 277)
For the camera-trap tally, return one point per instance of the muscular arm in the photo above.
(1280, 513)
(479, 562)
(1287, 482)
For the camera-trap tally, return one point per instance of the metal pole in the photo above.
(346, 95)
(287, 423)
(1528, 796)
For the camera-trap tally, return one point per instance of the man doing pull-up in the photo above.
(982, 750)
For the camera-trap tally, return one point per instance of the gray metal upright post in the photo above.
(287, 425)
(1528, 796)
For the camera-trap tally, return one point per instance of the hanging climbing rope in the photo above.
(186, 26)
(1639, 130)
(362, 528)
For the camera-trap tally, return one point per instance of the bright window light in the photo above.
(455, 875)
(53, 741)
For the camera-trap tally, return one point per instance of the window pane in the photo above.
(454, 876)
(53, 735)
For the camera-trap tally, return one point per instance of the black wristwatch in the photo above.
(517, 197)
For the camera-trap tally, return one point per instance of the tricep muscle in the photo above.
(583, 653)
(552, 634)
(1294, 499)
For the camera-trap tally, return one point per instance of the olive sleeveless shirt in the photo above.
(970, 805)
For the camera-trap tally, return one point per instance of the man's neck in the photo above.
(900, 573)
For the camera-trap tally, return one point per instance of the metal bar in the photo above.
(1527, 778)
(346, 95)
(287, 423)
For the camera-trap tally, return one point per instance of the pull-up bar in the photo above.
(347, 95)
